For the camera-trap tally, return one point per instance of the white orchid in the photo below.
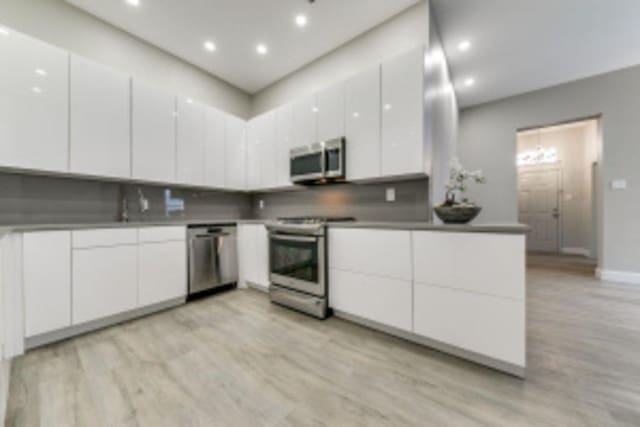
(458, 177)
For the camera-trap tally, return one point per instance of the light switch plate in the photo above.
(619, 184)
(390, 194)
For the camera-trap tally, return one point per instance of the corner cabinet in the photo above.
(100, 120)
(235, 145)
(261, 152)
(403, 115)
(34, 104)
(153, 142)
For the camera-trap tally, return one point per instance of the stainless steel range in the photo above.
(298, 263)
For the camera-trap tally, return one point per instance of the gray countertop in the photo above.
(464, 228)
(396, 225)
(4, 229)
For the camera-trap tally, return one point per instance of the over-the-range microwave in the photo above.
(318, 163)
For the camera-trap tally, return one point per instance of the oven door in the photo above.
(298, 262)
(307, 163)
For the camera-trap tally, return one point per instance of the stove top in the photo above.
(314, 220)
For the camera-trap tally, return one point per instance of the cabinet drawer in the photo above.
(383, 253)
(162, 234)
(104, 237)
(382, 300)
(484, 324)
(469, 261)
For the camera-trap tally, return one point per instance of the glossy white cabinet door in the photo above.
(484, 324)
(34, 104)
(402, 114)
(382, 300)
(100, 120)
(363, 125)
(284, 143)
(254, 163)
(235, 142)
(214, 148)
(254, 254)
(331, 107)
(162, 270)
(190, 142)
(383, 253)
(47, 281)
(267, 150)
(305, 117)
(105, 282)
(153, 113)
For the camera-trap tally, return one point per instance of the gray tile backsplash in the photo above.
(30, 199)
(365, 202)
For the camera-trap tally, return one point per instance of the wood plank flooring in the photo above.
(237, 360)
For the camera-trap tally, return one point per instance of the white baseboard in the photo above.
(258, 286)
(618, 276)
(5, 377)
(576, 251)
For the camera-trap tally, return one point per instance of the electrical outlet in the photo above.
(390, 194)
(619, 184)
(261, 204)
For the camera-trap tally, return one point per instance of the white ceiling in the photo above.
(237, 26)
(524, 45)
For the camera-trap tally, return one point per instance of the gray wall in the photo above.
(63, 25)
(365, 202)
(26, 199)
(397, 35)
(487, 140)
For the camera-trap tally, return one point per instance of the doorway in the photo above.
(557, 167)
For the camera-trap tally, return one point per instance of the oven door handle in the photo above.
(290, 238)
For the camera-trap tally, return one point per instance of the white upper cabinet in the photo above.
(363, 125)
(214, 148)
(305, 116)
(331, 107)
(403, 150)
(261, 156)
(284, 138)
(235, 143)
(190, 142)
(34, 104)
(100, 120)
(153, 133)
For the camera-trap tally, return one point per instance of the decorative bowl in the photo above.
(457, 214)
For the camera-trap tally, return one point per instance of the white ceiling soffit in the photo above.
(236, 27)
(523, 45)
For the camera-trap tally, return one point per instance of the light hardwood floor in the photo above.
(237, 360)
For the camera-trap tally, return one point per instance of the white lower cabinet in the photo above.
(253, 254)
(382, 300)
(47, 281)
(105, 282)
(162, 272)
(483, 324)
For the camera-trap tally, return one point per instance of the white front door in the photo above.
(538, 207)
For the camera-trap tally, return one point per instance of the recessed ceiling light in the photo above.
(262, 49)
(470, 81)
(464, 45)
(189, 101)
(41, 72)
(301, 20)
(4, 32)
(387, 107)
(356, 114)
(210, 46)
(315, 109)
(36, 89)
(133, 2)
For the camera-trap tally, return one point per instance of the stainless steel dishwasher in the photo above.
(213, 258)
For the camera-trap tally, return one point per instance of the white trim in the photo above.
(576, 251)
(628, 277)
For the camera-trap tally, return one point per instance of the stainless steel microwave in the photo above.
(318, 163)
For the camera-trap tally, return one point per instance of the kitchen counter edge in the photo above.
(458, 228)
